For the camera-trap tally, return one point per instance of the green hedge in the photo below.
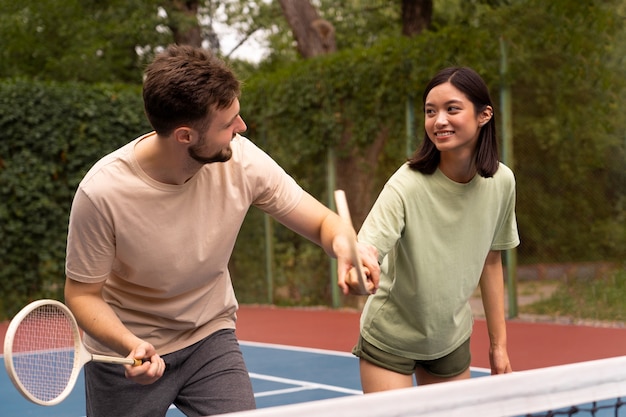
(51, 134)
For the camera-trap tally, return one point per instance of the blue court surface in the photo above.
(280, 375)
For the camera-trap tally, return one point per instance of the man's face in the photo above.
(214, 144)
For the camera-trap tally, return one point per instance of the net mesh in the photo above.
(594, 388)
(43, 354)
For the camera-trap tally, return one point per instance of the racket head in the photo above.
(42, 352)
(344, 212)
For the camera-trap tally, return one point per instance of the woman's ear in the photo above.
(485, 116)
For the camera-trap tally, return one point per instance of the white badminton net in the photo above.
(593, 388)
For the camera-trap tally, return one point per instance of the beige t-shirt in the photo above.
(163, 249)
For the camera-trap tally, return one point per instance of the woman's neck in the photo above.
(460, 170)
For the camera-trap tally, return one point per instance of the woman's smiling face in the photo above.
(450, 119)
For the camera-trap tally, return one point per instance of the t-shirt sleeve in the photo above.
(385, 222)
(507, 236)
(274, 191)
(90, 242)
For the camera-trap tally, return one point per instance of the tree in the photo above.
(316, 36)
(313, 35)
(416, 16)
(94, 41)
(183, 22)
(82, 40)
(568, 83)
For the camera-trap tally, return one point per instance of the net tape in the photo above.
(516, 394)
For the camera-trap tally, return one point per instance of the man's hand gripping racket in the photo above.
(356, 279)
(43, 352)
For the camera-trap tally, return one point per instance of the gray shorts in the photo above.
(452, 364)
(206, 378)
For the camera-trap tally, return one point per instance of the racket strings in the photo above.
(43, 352)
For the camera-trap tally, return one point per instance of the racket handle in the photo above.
(114, 360)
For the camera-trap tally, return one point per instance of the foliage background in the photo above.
(51, 134)
(567, 76)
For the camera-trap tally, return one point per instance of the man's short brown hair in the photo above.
(184, 85)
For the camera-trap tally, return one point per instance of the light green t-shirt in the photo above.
(433, 236)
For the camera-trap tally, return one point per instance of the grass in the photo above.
(601, 299)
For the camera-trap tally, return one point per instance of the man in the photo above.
(151, 231)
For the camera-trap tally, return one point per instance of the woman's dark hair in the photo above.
(426, 158)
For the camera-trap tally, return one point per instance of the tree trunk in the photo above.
(416, 16)
(354, 172)
(314, 36)
(184, 23)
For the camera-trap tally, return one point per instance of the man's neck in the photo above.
(164, 160)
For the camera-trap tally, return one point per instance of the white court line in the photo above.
(298, 348)
(281, 392)
(300, 384)
(305, 384)
(320, 351)
(327, 352)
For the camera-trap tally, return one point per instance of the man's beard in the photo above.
(222, 156)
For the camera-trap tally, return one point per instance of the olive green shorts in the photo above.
(453, 364)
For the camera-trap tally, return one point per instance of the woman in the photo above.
(439, 225)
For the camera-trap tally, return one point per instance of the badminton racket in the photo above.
(344, 213)
(43, 352)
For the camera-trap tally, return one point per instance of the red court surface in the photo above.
(530, 345)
